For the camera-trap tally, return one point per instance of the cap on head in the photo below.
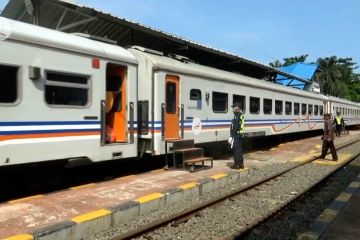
(236, 105)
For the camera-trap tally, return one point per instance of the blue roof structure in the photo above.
(303, 70)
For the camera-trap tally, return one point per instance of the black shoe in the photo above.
(335, 159)
(235, 166)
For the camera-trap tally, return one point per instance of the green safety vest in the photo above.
(338, 119)
(242, 123)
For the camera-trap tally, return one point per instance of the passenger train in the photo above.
(64, 96)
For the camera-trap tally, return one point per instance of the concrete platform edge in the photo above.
(327, 217)
(114, 215)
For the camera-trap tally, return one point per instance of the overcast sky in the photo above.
(262, 30)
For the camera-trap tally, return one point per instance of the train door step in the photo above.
(188, 156)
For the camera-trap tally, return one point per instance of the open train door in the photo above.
(115, 104)
(172, 109)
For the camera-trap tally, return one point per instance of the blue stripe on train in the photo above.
(6, 133)
(7, 124)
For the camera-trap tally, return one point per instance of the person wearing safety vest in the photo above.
(236, 136)
(339, 123)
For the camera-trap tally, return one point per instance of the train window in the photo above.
(316, 110)
(310, 109)
(278, 107)
(66, 89)
(170, 97)
(9, 84)
(254, 105)
(303, 109)
(195, 98)
(321, 110)
(296, 108)
(267, 106)
(288, 108)
(241, 101)
(219, 102)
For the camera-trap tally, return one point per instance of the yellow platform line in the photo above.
(91, 215)
(355, 184)
(157, 170)
(318, 146)
(344, 197)
(149, 197)
(328, 215)
(242, 170)
(83, 186)
(218, 176)
(328, 162)
(20, 237)
(188, 185)
(127, 177)
(25, 199)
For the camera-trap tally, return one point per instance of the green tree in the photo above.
(289, 61)
(336, 76)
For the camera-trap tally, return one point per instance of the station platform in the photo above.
(341, 219)
(347, 225)
(81, 210)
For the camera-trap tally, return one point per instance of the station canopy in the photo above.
(70, 17)
(300, 69)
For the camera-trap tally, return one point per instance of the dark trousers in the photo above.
(238, 152)
(338, 130)
(325, 147)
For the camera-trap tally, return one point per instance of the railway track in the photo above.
(49, 177)
(183, 216)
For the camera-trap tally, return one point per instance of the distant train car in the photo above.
(349, 110)
(67, 97)
(64, 96)
(185, 100)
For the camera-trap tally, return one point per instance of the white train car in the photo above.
(185, 100)
(349, 110)
(67, 97)
(64, 96)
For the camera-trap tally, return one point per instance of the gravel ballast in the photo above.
(236, 213)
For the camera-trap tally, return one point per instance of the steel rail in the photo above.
(187, 213)
(282, 206)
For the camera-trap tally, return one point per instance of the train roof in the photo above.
(160, 62)
(343, 101)
(15, 30)
(71, 17)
